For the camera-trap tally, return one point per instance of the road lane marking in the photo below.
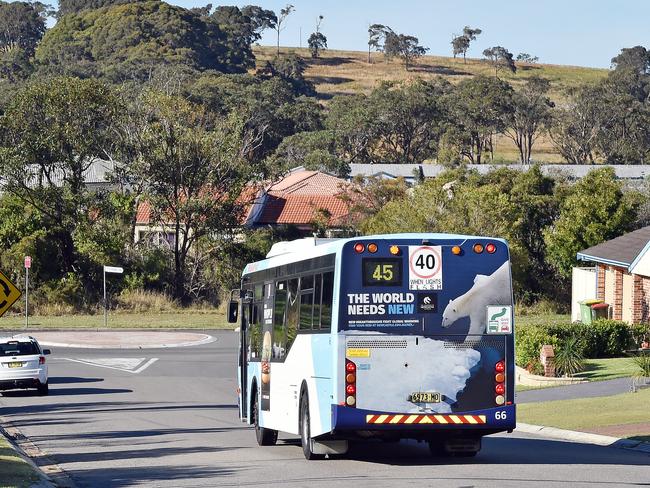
(130, 365)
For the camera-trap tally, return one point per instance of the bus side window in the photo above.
(317, 291)
(326, 303)
(293, 303)
(279, 316)
(255, 332)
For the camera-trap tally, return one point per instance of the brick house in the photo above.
(623, 274)
(298, 199)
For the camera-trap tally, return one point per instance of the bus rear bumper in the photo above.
(490, 420)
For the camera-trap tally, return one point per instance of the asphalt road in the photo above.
(167, 417)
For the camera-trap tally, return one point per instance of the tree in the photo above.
(75, 6)
(260, 19)
(478, 108)
(376, 33)
(635, 59)
(500, 58)
(527, 58)
(317, 41)
(460, 44)
(195, 167)
(290, 68)
(531, 113)
(577, 124)
(51, 132)
(596, 210)
(404, 47)
(410, 117)
(22, 26)
(284, 13)
(130, 41)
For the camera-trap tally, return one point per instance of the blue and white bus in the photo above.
(405, 336)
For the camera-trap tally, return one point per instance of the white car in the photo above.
(22, 364)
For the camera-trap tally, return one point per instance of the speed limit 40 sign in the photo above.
(425, 268)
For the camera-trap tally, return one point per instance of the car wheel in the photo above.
(305, 430)
(264, 436)
(43, 389)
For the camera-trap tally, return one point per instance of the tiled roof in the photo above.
(301, 209)
(307, 183)
(622, 250)
(143, 213)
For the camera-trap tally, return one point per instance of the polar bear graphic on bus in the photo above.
(487, 290)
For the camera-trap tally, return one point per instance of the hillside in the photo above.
(338, 72)
(346, 72)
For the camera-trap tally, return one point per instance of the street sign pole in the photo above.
(26, 298)
(109, 269)
(105, 305)
(28, 264)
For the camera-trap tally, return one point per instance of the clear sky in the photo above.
(576, 32)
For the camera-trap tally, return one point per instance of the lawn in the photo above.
(14, 472)
(608, 369)
(542, 319)
(167, 320)
(593, 414)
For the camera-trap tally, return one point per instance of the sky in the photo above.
(570, 32)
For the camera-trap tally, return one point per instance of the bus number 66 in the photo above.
(500, 415)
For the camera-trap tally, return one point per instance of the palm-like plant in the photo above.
(568, 358)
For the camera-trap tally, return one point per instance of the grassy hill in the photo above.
(345, 72)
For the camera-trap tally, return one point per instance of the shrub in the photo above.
(568, 357)
(609, 338)
(528, 343)
(139, 301)
(642, 361)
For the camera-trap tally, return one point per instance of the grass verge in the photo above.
(171, 320)
(608, 369)
(542, 319)
(604, 415)
(14, 472)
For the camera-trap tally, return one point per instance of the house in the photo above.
(299, 199)
(622, 275)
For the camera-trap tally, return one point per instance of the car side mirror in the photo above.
(233, 312)
(46, 352)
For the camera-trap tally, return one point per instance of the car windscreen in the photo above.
(15, 348)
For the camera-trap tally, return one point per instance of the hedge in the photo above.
(602, 339)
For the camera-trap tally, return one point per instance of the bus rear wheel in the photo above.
(264, 436)
(305, 430)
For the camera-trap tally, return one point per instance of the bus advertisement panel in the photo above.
(428, 328)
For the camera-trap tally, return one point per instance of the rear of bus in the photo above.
(426, 344)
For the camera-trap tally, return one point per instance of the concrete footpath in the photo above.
(89, 339)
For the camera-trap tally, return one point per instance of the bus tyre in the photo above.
(265, 437)
(305, 429)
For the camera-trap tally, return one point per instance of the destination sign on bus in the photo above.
(382, 272)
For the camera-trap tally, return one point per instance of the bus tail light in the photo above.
(500, 386)
(394, 250)
(350, 383)
(490, 248)
(372, 248)
(456, 250)
(478, 248)
(359, 247)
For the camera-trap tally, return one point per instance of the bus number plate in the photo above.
(424, 397)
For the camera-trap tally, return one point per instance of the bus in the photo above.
(388, 337)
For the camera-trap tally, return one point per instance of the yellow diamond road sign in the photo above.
(8, 294)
